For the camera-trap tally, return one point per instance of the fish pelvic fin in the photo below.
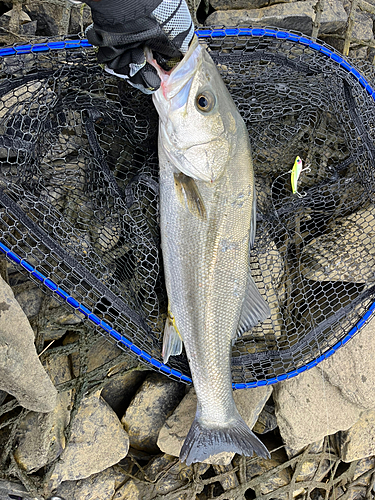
(172, 342)
(204, 441)
(187, 185)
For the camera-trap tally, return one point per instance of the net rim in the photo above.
(210, 32)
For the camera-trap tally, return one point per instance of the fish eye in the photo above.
(205, 101)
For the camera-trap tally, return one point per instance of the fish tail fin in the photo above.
(203, 441)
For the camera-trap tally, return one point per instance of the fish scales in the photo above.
(207, 224)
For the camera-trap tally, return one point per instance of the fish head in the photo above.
(198, 119)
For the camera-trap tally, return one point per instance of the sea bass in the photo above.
(207, 220)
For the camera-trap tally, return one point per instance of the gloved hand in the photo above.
(122, 28)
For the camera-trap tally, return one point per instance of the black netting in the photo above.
(79, 194)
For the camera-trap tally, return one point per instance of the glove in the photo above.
(122, 28)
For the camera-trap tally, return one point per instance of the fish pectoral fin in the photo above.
(187, 185)
(254, 308)
(172, 342)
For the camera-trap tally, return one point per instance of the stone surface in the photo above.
(101, 486)
(21, 372)
(359, 441)
(119, 391)
(290, 16)
(164, 475)
(80, 18)
(40, 436)
(345, 253)
(52, 16)
(151, 406)
(249, 403)
(308, 408)
(243, 4)
(97, 441)
(267, 270)
(352, 368)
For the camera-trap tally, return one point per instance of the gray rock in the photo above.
(267, 421)
(101, 486)
(172, 435)
(267, 270)
(29, 298)
(352, 368)
(309, 407)
(345, 253)
(164, 475)
(290, 16)
(21, 372)
(119, 391)
(152, 405)
(40, 436)
(97, 441)
(80, 18)
(53, 16)
(359, 441)
(243, 4)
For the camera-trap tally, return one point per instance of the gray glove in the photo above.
(122, 28)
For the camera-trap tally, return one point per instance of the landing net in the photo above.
(79, 193)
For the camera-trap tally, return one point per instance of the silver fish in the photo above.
(207, 219)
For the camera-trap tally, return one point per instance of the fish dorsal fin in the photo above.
(187, 185)
(254, 308)
(172, 342)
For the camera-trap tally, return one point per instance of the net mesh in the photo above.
(79, 194)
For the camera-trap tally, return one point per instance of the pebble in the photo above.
(120, 390)
(249, 402)
(151, 406)
(32, 387)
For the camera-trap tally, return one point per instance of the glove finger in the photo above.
(147, 77)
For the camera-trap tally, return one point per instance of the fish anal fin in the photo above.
(187, 185)
(254, 308)
(172, 342)
(204, 441)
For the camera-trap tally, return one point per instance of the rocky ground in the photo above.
(81, 419)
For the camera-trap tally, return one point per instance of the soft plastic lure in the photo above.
(295, 173)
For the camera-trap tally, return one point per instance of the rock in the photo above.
(101, 486)
(163, 476)
(308, 408)
(266, 421)
(152, 405)
(41, 436)
(352, 369)
(290, 16)
(249, 403)
(359, 441)
(97, 441)
(229, 481)
(119, 391)
(267, 270)
(80, 18)
(243, 4)
(345, 253)
(29, 298)
(32, 386)
(271, 482)
(53, 16)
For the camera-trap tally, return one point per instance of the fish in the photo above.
(207, 224)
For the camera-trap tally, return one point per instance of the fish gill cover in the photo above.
(79, 193)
